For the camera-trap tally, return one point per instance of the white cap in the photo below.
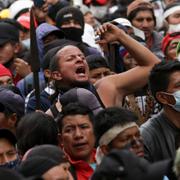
(123, 21)
(18, 6)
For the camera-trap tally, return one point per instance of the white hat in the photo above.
(123, 21)
(18, 6)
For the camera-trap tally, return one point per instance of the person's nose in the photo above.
(136, 141)
(5, 159)
(145, 24)
(78, 133)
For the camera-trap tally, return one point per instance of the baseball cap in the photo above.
(10, 174)
(24, 20)
(8, 33)
(47, 150)
(82, 96)
(67, 13)
(7, 134)
(36, 166)
(18, 7)
(12, 102)
(125, 165)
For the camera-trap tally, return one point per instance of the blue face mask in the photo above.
(176, 106)
(11, 164)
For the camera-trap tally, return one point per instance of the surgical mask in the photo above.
(176, 96)
(173, 28)
(11, 164)
(26, 43)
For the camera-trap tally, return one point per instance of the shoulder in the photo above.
(151, 128)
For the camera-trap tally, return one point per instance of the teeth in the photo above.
(81, 74)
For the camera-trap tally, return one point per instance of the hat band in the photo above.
(109, 135)
(171, 11)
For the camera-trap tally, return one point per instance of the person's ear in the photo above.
(60, 143)
(105, 149)
(165, 98)
(47, 73)
(17, 48)
(56, 75)
(12, 120)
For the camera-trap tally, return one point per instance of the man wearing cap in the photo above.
(141, 15)
(71, 21)
(47, 161)
(8, 154)
(10, 50)
(11, 109)
(98, 68)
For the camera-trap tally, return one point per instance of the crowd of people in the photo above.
(90, 90)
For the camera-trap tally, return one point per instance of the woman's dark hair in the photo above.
(34, 129)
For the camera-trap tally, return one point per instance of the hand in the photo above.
(22, 67)
(108, 33)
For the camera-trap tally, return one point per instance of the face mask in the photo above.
(26, 43)
(73, 34)
(11, 164)
(173, 28)
(176, 106)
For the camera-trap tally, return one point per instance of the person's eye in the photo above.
(84, 126)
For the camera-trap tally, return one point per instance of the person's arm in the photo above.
(113, 88)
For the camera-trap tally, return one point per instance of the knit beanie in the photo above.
(68, 13)
(4, 71)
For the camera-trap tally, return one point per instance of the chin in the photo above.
(81, 83)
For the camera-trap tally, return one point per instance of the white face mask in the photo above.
(26, 43)
(173, 28)
(176, 96)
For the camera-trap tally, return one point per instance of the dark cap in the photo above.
(68, 13)
(125, 165)
(7, 134)
(8, 33)
(96, 61)
(36, 166)
(9, 174)
(12, 102)
(49, 151)
(83, 97)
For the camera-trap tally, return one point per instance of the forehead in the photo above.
(76, 119)
(177, 40)
(174, 77)
(69, 50)
(144, 14)
(5, 143)
(129, 131)
(175, 13)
